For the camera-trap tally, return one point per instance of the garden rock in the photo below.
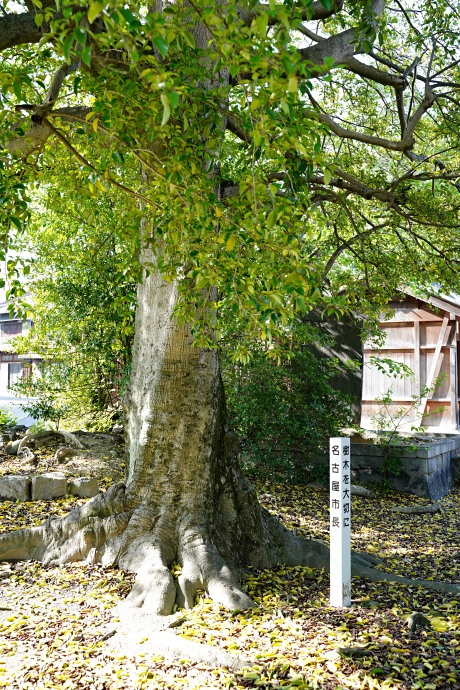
(361, 491)
(48, 486)
(14, 488)
(87, 487)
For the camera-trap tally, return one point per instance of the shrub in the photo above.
(284, 411)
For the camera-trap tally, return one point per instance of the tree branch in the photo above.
(38, 133)
(237, 130)
(401, 111)
(17, 29)
(372, 73)
(83, 161)
(316, 12)
(343, 181)
(344, 133)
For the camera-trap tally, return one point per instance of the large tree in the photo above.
(282, 155)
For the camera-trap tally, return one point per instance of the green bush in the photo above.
(6, 417)
(284, 413)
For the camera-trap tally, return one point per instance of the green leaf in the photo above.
(327, 4)
(16, 222)
(201, 281)
(95, 9)
(128, 16)
(161, 44)
(173, 98)
(39, 20)
(271, 219)
(166, 113)
(86, 55)
(17, 90)
(283, 17)
(189, 38)
(292, 84)
(262, 23)
(68, 43)
(230, 243)
(80, 35)
(327, 176)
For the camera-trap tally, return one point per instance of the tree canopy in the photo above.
(307, 153)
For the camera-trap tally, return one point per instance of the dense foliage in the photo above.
(83, 300)
(284, 411)
(282, 157)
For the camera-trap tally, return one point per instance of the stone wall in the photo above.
(426, 470)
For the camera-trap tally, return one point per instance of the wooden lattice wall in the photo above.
(423, 335)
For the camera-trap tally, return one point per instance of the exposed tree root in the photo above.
(417, 510)
(117, 528)
(140, 631)
(43, 437)
(170, 645)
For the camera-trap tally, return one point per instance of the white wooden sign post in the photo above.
(340, 512)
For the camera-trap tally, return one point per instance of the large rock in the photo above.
(48, 486)
(14, 488)
(86, 487)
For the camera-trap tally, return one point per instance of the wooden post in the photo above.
(417, 369)
(453, 388)
(434, 370)
(340, 519)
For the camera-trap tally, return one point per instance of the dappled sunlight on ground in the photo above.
(55, 622)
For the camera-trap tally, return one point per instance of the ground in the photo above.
(57, 623)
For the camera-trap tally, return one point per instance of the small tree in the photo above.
(83, 298)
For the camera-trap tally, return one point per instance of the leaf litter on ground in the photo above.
(56, 623)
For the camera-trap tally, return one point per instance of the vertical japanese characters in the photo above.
(340, 521)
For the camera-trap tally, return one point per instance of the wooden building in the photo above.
(424, 335)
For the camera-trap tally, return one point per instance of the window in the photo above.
(10, 328)
(14, 373)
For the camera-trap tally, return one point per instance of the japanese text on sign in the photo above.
(340, 509)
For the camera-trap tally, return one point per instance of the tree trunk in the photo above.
(185, 498)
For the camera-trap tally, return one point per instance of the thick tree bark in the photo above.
(185, 499)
